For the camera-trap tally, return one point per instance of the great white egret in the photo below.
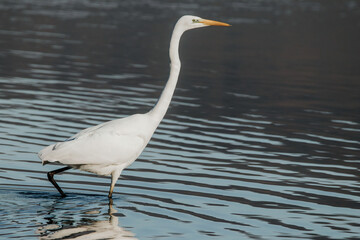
(108, 148)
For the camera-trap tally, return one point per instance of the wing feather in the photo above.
(118, 141)
(103, 148)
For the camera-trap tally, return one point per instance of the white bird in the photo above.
(108, 148)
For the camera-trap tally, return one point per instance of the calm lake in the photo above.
(261, 140)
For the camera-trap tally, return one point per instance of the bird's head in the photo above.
(190, 22)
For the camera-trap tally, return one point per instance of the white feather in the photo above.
(114, 144)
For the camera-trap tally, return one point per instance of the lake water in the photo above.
(261, 140)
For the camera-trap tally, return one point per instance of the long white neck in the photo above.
(159, 110)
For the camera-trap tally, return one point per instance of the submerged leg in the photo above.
(52, 180)
(114, 177)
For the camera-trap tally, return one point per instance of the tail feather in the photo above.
(44, 153)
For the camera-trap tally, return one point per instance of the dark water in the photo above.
(261, 140)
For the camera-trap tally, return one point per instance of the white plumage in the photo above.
(108, 148)
(98, 149)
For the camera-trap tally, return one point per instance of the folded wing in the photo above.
(95, 147)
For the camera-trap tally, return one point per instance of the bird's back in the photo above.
(117, 142)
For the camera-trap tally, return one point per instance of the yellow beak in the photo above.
(214, 23)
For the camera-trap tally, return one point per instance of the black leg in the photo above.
(52, 180)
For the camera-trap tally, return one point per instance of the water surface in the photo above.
(261, 140)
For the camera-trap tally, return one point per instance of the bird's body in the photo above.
(104, 148)
(108, 148)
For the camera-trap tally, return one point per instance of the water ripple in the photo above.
(260, 141)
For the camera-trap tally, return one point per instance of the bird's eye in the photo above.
(195, 21)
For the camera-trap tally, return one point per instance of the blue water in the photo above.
(261, 140)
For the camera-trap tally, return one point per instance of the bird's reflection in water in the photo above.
(86, 228)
